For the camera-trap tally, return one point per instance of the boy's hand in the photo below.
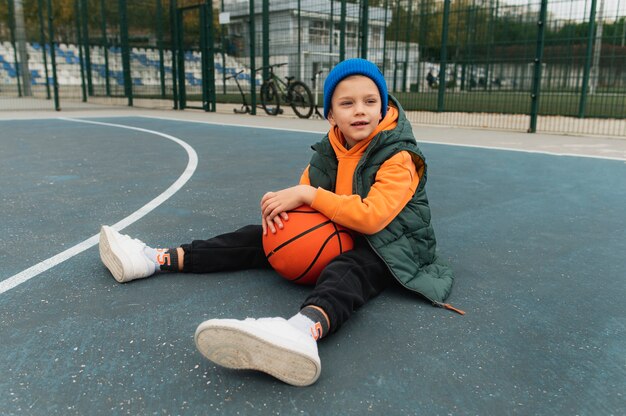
(272, 224)
(275, 204)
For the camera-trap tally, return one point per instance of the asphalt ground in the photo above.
(534, 227)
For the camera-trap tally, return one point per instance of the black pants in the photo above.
(347, 283)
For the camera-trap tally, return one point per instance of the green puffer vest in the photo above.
(408, 243)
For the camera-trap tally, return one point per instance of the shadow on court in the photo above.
(537, 243)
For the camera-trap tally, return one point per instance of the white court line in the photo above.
(419, 141)
(41, 267)
(322, 132)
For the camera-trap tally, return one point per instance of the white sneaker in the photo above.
(124, 256)
(270, 345)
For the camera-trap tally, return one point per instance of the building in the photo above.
(306, 35)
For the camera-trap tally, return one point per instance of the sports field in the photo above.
(532, 224)
(519, 102)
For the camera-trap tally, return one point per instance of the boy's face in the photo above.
(355, 108)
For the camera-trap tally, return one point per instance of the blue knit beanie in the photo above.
(355, 66)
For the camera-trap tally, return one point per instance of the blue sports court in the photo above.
(533, 225)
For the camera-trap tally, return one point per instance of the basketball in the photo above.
(306, 244)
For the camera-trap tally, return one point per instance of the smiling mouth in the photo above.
(360, 123)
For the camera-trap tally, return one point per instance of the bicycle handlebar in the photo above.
(256, 70)
(272, 66)
(236, 75)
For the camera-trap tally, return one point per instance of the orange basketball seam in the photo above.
(339, 232)
(303, 212)
(338, 238)
(317, 256)
(271, 253)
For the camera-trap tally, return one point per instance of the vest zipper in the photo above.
(447, 306)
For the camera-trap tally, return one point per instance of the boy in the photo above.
(368, 175)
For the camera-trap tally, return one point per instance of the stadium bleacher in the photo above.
(145, 66)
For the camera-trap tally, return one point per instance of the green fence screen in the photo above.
(529, 65)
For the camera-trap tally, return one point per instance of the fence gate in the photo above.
(195, 64)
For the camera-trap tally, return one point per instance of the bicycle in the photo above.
(294, 93)
(245, 107)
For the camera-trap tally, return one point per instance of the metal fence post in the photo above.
(207, 42)
(179, 57)
(364, 27)
(105, 48)
(395, 49)
(86, 44)
(211, 62)
(597, 51)
(488, 71)
(81, 56)
(159, 12)
(536, 90)
(265, 21)
(342, 32)
(53, 62)
(587, 70)
(386, 5)
(444, 56)
(223, 50)
(407, 41)
(21, 39)
(128, 84)
(42, 41)
(331, 33)
(299, 36)
(15, 57)
(252, 37)
(174, 45)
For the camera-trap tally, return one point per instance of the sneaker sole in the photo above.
(112, 261)
(237, 349)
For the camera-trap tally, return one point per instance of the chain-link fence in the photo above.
(530, 65)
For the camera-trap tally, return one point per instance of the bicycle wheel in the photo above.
(270, 100)
(301, 99)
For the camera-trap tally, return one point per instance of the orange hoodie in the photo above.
(395, 184)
